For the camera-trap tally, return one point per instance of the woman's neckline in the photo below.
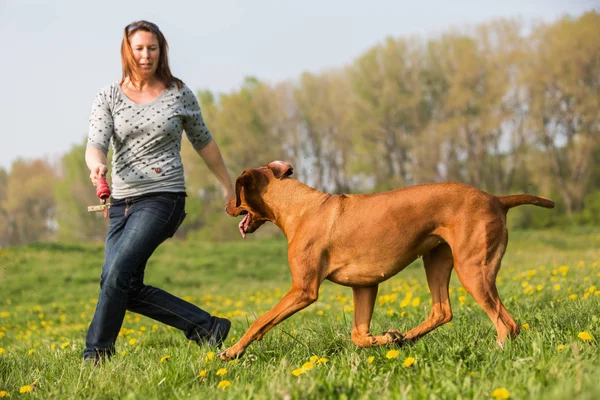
(154, 100)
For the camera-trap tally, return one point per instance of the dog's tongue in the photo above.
(242, 227)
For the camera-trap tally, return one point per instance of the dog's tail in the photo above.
(519, 199)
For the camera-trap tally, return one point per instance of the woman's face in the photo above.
(145, 49)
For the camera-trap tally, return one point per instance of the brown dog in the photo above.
(362, 240)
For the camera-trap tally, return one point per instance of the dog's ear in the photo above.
(244, 180)
(280, 169)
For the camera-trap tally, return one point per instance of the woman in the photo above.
(144, 115)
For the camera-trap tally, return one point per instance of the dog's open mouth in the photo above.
(243, 225)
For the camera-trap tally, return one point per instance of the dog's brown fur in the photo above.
(362, 240)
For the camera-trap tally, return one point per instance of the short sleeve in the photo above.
(193, 123)
(101, 125)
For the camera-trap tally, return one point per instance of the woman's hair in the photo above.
(130, 68)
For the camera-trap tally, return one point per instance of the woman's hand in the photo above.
(213, 159)
(97, 171)
(95, 159)
(229, 194)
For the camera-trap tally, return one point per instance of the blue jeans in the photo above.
(137, 227)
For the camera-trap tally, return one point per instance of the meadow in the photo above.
(549, 282)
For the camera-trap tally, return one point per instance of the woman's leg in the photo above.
(97, 344)
(162, 306)
(148, 222)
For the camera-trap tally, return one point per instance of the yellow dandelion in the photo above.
(223, 384)
(408, 362)
(573, 297)
(320, 312)
(501, 393)
(525, 326)
(4, 314)
(308, 366)
(592, 289)
(370, 359)
(322, 360)
(392, 354)
(314, 359)
(298, 372)
(557, 287)
(164, 359)
(561, 347)
(30, 352)
(222, 372)
(203, 373)
(585, 336)
(209, 356)
(64, 345)
(2, 351)
(25, 389)
(123, 353)
(4, 393)
(132, 341)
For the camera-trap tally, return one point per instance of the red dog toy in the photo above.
(103, 193)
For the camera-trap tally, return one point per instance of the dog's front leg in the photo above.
(295, 300)
(364, 302)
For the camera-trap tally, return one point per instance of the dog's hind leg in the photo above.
(477, 272)
(438, 268)
(364, 302)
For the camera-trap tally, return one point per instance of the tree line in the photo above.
(493, 106)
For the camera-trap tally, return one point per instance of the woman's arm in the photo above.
(96, 162)
(213, 159)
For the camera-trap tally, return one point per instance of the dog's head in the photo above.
(249, 189)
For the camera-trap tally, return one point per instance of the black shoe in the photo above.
(219, 332)
(91, 360)
(98, 357)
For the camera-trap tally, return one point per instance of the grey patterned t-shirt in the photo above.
(146, 138)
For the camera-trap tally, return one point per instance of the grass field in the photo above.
(550, 282)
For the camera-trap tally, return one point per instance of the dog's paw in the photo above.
(224, 356)
(395, 336)
(229, 354)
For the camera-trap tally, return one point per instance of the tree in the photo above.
(387, 94)
(563, 82)
(323, 108)
(73, 193)
(27, 205)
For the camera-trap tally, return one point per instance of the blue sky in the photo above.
(58, 54)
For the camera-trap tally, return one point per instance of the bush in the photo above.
(591, 211)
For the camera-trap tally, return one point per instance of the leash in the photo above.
(103, 193)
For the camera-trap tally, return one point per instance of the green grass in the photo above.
(48, 294)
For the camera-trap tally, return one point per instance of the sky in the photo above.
(56, 55)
